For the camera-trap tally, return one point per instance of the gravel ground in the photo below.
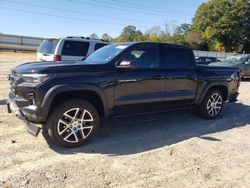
(175, 149)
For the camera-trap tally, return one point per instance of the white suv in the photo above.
(69, 48)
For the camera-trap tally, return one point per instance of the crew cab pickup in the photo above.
(67, 99)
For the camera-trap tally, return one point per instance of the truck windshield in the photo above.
(105, 54)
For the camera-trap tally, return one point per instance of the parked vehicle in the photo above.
(206, 60)
(46, 49)
(69, 48)
(69, 97)
(240, 61)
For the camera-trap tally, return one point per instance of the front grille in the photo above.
(14, 78)
(12, 82)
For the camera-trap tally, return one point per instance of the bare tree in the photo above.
(154, 30)
(94, 36)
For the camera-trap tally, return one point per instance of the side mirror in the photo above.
(126, 65)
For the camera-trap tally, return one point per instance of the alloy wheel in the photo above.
(75, 125)
(214, 104)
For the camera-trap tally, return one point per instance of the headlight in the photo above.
(36, 78)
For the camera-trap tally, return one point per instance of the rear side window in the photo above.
(47, 46)
(199, 60)
(176, 58)
(99, 45)
(210, 60)
(75, 48)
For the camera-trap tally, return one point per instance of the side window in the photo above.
(209, 60)
(199, 60)
(47, 46)
(144, 57)
(75, 48)
(99, 45)
(176, 58)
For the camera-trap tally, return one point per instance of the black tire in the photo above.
(211, 112)
(59, 122)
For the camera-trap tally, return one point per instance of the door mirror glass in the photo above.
(141, 57)
(124, 64)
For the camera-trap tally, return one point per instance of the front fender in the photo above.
(54, 91)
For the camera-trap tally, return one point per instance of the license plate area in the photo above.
(8, 108)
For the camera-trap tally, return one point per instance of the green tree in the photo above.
(196, 41)
(224, 21)
(182, 29)
(153, 37)
(179, 36)
(138, 36)
(180, 39)
(118, 39)
(129, 33)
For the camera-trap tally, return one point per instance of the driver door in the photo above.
(142, 86)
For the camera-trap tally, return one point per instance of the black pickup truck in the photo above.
(67, 99)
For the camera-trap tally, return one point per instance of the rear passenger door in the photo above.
(74, 50)
(181, 76)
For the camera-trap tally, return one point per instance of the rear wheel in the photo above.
(73, 123)
(212, 104)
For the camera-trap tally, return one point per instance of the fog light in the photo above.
(32, 98)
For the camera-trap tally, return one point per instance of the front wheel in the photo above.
(73, 123)
(212, 104)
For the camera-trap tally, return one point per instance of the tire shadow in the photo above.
(245, 79)
(140, 134)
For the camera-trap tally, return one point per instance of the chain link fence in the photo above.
(16, 42)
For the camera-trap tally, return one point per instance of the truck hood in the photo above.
(52, 67)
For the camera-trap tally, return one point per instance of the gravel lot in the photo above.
(175, 149)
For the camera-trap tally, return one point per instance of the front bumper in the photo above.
(32, 128)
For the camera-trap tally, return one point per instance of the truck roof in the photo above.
(149, 42)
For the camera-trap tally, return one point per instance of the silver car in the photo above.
(240, 61)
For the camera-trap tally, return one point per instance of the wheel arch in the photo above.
(90, 93)
(222, 86)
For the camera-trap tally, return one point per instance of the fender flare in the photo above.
(54, 91)
(208, 86)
